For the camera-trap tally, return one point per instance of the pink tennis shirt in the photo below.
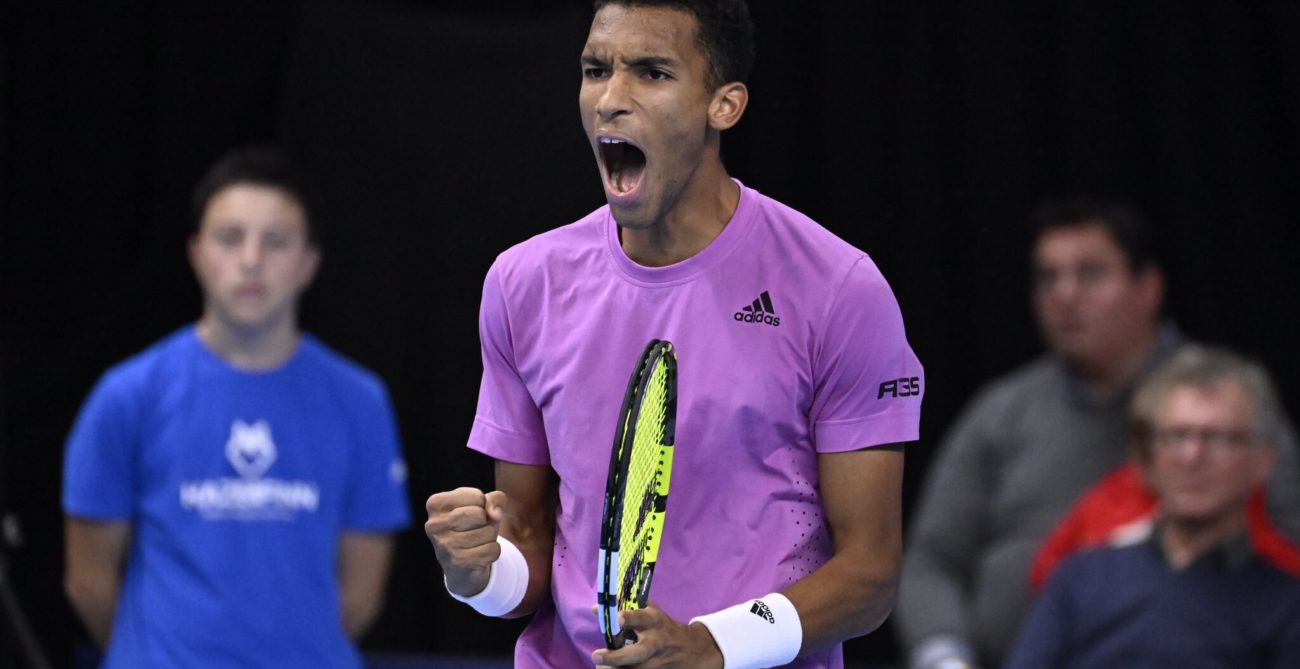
(789, 343)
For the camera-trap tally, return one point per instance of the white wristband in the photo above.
(763, 632)
(507, 582)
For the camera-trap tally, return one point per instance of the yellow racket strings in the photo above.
(646, 479)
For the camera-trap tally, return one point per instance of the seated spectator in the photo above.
(1119, 511)
(1195, 592)
(1030, 443)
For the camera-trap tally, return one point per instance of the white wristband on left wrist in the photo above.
(763, 632)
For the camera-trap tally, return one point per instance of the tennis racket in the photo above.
(636, 491)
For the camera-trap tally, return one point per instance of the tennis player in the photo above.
(796, 385)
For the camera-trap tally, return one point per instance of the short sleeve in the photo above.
(98, 463)
(507, 423)
(378, 486)
(869, 382)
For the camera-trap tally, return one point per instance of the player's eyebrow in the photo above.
(638, 62)
(650, 62)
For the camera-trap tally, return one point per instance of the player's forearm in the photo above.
(536, 540)
(531, 495)
(853, 592)
(539, 584)
(849, 596)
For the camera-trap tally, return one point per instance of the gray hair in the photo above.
(1205, 367)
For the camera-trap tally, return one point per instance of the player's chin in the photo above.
(634, 217)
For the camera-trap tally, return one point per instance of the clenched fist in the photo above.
(463, 525)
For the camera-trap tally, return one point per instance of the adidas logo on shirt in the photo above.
(760, 311)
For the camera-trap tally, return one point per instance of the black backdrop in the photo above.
(441, 133)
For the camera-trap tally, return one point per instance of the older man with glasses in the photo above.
(1196, 592)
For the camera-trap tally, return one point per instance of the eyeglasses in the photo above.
(1216, 441)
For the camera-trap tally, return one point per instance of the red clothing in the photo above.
(1121, 504)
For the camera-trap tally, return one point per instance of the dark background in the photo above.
(441, 133)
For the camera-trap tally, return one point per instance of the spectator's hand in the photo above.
(463, 526)
(953, 663)
(661, 643)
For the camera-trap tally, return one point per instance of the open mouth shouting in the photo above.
(622, 163)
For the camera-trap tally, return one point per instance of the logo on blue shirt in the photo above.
(250, 449)
(251, 452)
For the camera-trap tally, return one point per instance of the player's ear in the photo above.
(728, 105)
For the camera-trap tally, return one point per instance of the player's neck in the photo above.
(702, 210)
(250, 348)
(1184, 540)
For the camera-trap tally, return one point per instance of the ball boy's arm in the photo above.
(94, 557)
(363, 564)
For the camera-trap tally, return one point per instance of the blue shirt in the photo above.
(237, 486)
(1125, 607)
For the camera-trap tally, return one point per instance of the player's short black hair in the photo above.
(1126, 224)
(726, 34)
(260, 165)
